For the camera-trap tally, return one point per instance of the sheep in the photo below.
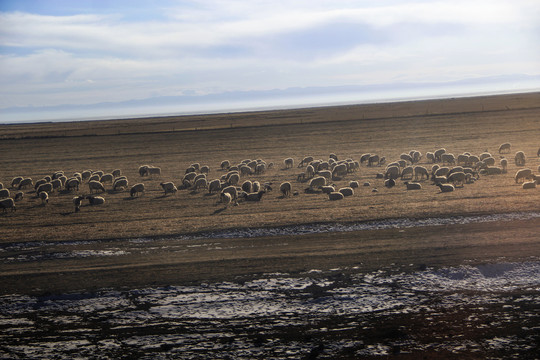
(153, 170)
(225, 164)
(39, 183)
(16, 181)
(44, 197)
(317, 182)
(199, 176)
(95, 200)
(448, 158)
(504, 165)
(439, 179)
(455, 169)
(94, 177)
(392, 172)
(214, 185)
(97, 172)
(485, 155)
(72, 183)
(86, 174)
(339, 170)
(196, 166)
(289, 163)
(95, 185)
(413, 185)
(420, 172)
(406, 157)
(374, 159)
(457, 178)
(136, 189)
(430, 157)
(256, 186)
(327, 189)
(305, 161)
(246, 170)
(286, 189)
(120, 183)
(255, 196)
(346, 191)
(523, 174)
(333, 156)
(389, 183)
(443, 171)
(47, 187)
(462, 159)
(77, 201)
(189, 177)
(143, 169)
(233, 179)
(116, 173)
(8, 203)
(407, 172)
(200, 183)
(56, 184)
(504, 148)
(493, 170)
(366, 184)
(168, 187)
(489, 161)
(473, 159)
(106, 178)
(310, 171)
(4, 193)
(416, 155)
(446, 187)
(336, 195)
(260, 169)
(19, 196)
(225, 198)
(326, 174)
(354, 184)
(438, 154)
(529, 185)
(231, 190)
(519, 158)
(364, 158)
(247, 186)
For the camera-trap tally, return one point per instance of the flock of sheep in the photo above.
(236, 184)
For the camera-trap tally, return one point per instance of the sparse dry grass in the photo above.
(459, 125)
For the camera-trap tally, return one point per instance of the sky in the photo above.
(64, 52)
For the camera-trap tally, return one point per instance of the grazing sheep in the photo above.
(233, 179)
(136, 189)
(448, 158)
(120, 184)
(86, 174)
(446, 187)
(231, 190)
(407, 172)
(504, 148)
(8, 203)
(19, 196)
(333, 156)
(523, 174)
(439, 153)
(289, 163)
(44, 197)
(225, 198)
(255, 196)
(143, 169)
(485, 155)
(439, 179)
(462, 159)
(94, 177)
(256, 186)
(346, 191)
(336, 195)
(420, 172)
(412, 185)
(286, 189)
(195, 166)
(106, 178)
(493, 170)
(430, 157)
(339, 170)
(189, 177)
(473, 159)
(529, 185)
(317, 182)
(504, 165)
(168, 187)
(200, 183)
(392, 172)
(95, 185)
(489, 161)
(47, 187)
(260, 169)
(406, 157)
(310, 171)
(326, 174)
(366, 184)
(442, 171)
(519, 158)
(305, 161)
(354, 184)
(153, 170)
(247, 186)
(214, 185)
(16, 181)
(56, 184)
(374, 159)
(246, 170)
(364, 158)
(4, 193)
(39, 183)
(95, 200)
(116, 173)
(455, 169)
(77, 201)
(225, 164)
(327, 189)
(389, 183)
(72, 183)
(457, 178)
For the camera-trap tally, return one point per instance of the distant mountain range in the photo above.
(275, 98)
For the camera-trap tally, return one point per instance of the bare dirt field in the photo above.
(187, 240)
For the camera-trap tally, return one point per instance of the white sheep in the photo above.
(72, 183)
(225, 164)
(77, 201)
(529, 185)
(413, 185)
(339, 170)
(439, 153)
(16, 181)
(233, 179)
(326, 174)
(448, 158)
(364, 158)
(116, 173)
(504, 148)
(407, 172)
(407, 158)
(246, 170)
(136, 189)
(346, 191)
(44, 197)
(200, 183)
(305, 161)
(106, 178)
(485, 155)
(317, 182)
(327, 189)
(336, 195)
(354, 184)
(4, 193)
(247, 186)
(214, 185)
(420, 172)
(392, 172)
(289, 163)
(94, 185)
(504, 165)
(457, 178)
(39, 183)
(168, 187)
(153, 170)
(286, 189)
(225, 198)
(446, 187)
(389, 183)
(462, 159)
(523, 174)
(95, 200)
(143, 170)
(8, 203)
(120, 183)
(430, 157)
(374, 159)
(231, 190)
(93, 177)
(519, 158)
(493, 170)
(86, 174)
(256, 186)
(255, 196)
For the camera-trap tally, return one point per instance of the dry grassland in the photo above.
(470, 124)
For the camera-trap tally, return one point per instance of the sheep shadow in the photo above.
(209, 194)
(130, 198)
(219, 211)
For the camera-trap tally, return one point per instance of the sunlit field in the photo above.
(189, 237)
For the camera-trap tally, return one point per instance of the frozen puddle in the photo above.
(489, 309)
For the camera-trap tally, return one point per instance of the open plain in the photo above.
(188, 239)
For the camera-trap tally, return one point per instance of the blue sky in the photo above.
(85, 52)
